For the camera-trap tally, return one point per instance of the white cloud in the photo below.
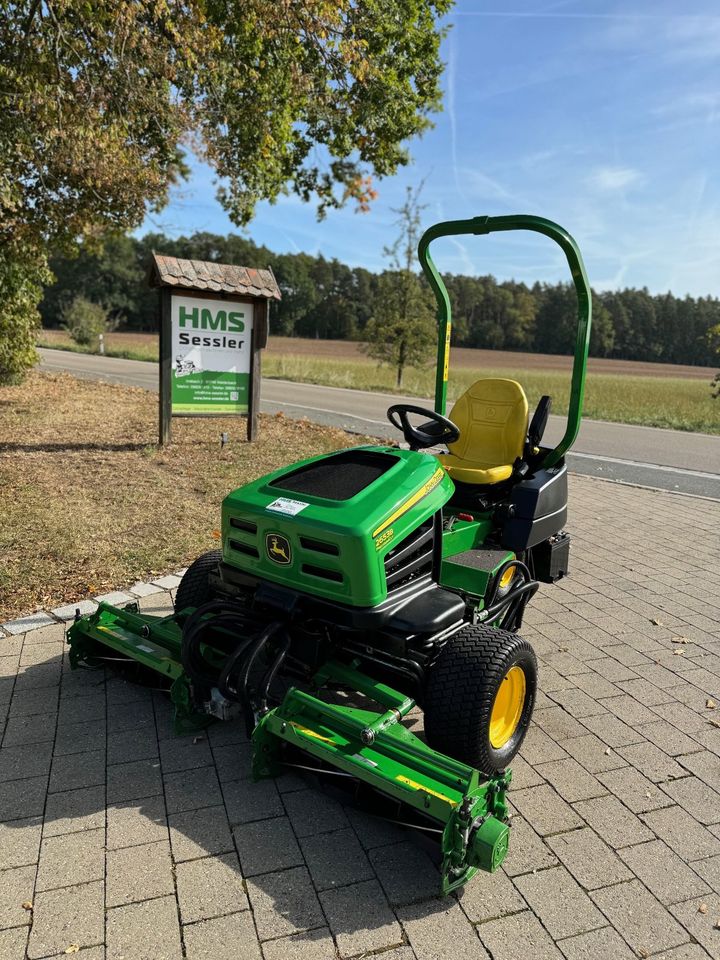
(612, 179)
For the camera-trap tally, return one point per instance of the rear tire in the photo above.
(464, 715)
(194, 589)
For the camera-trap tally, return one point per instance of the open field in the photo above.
(619, 391)
(89, 503)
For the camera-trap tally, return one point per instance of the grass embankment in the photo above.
(90, 504)
(677, 402)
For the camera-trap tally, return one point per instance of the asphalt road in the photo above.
(665, 459)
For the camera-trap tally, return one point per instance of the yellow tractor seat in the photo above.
(492, 416)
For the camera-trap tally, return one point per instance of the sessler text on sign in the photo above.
(211, 355)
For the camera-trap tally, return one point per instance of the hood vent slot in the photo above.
(247, 525)
(319, 546)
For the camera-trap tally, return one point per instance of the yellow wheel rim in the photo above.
(508, 707)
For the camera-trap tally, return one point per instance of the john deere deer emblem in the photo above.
(278, 548)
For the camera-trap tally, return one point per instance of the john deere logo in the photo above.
(278, 548)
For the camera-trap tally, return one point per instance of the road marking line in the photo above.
(647, 466)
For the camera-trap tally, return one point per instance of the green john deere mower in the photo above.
(354, 586)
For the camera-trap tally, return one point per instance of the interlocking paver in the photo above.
(313, 945)
(139, 873)
(285, 902)
(518, 937)
(71, 859)
(144, 931)
(246, 801)
(337, 859)
(603, 944)
(20, 799)
(133, 781)
(591, 862)
(19, 763)
(571, 780)
(593, 754)
(74, 915)
(16, 888)
(613, 821)
(77, 770)
(682, 833)
(223, 938)
(527, 851)
(191, 789)
(663, 872)
(198, 833)
(12, 943)
(636, 791)
(558, 900)
(440, 929)
(696, 797)
(639, 917)
(703, 926)
(135, 822)
(210, 887)
(490, 896)
(545, 810)
(652, 762)
(20, 842)
(74, 810)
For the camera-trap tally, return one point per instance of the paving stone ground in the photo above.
(118, 840)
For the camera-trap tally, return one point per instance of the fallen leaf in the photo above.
(657, 623)
(27, 904)
(607, 751)
(702, 908)
(710, 703)
(197, 740)
(73, 948)
(714, 722)
(642, 952)
(680, 640)
(678, 653)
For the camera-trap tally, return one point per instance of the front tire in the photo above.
(194, 588)
(480, 697)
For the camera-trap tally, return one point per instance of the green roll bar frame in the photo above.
(482, 225)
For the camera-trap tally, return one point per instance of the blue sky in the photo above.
(604, 116)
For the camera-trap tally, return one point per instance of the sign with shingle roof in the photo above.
(214, 321)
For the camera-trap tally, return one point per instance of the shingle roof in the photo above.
(206, 275)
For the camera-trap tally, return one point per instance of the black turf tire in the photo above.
(194, 589)
(461, 692)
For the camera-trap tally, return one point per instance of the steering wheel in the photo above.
(438, 429)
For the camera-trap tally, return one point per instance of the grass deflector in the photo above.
(356, 587)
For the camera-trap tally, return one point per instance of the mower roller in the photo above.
(357, 588)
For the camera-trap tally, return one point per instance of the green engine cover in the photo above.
(326, 525)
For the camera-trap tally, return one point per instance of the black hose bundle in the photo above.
(233, 677)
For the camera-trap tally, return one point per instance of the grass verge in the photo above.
(680, 403)
(89, 503)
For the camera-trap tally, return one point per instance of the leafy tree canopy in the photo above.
(98, 97)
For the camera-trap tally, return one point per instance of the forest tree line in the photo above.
(330, 300)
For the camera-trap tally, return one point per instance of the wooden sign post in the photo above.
(213, 325)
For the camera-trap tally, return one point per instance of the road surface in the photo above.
(647, 456)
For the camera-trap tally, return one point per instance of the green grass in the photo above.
(671, 402)
(150, 352)
(680, 404)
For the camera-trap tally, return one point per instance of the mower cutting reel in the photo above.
(358, 588)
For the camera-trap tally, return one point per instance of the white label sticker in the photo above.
(286, 506)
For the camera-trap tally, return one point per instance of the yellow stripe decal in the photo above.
(446, 365)
(418, 495)
(419, 786)
(310, 733)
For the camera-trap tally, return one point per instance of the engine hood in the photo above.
(327, 525)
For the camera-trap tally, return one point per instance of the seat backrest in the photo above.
(492, 416)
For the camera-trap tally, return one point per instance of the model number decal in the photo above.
(289, 507)
(384, 538)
